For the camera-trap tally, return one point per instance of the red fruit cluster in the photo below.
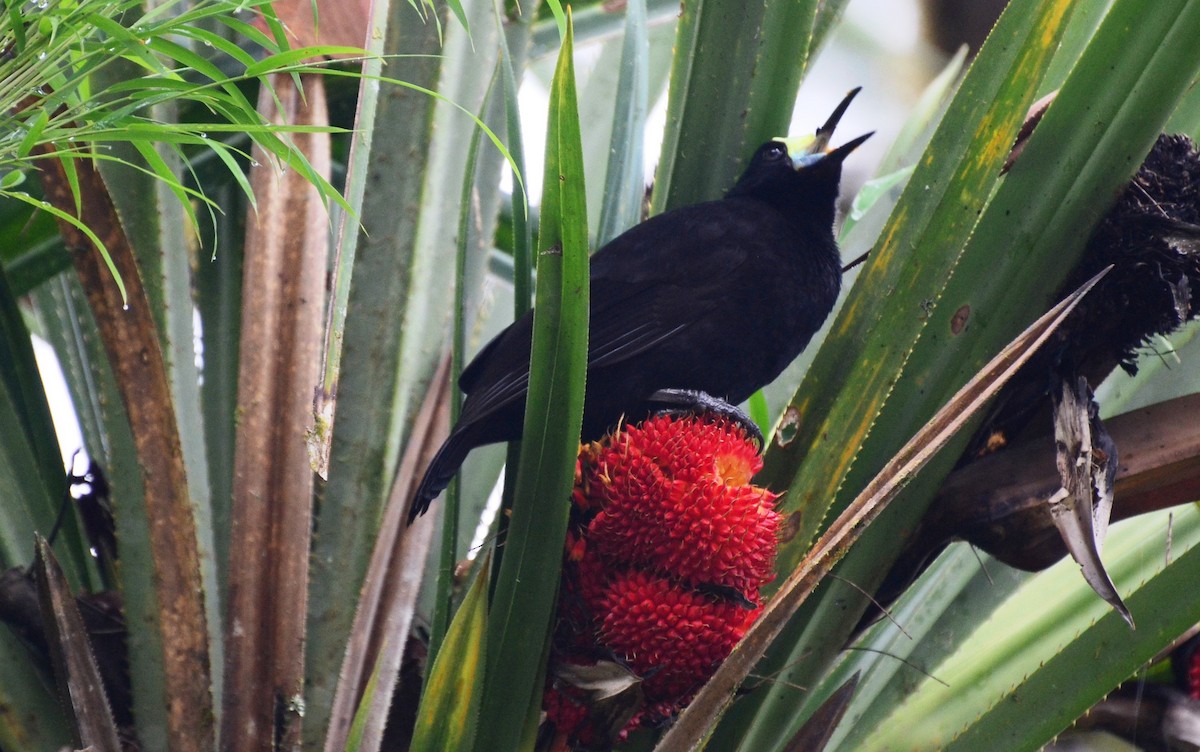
(664, 561)
(1194, 675)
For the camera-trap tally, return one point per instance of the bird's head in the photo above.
(800, 174)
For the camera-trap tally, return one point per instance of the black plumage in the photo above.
(718, 297)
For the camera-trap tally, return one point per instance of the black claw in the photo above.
(695, 402)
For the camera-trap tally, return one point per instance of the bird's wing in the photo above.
(633, 319)
(649, 284)
(499, 373)
(643, 292)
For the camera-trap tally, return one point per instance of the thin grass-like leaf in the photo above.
(526, 586)
(522, 237)
(448, 555)
(290, 59)
(33, 133)
(560, 19)
(457, 8)
(76, 223)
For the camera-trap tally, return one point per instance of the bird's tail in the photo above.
(441, 469)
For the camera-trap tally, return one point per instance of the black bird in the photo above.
(711, 299)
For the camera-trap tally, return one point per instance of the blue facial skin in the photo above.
(805, 160)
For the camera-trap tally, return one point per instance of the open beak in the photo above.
(806, 151)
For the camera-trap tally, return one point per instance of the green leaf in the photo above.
(521, 234)
(1054, 646)
(12, 179)
(74, 221)
(32, 478)
(289, 58)
(451, 516)
(404, 184)
(734, 80)
(625, 186)
(524, 598)
(446, 718)
(457, 8)
(108, 439)
(916, 253)
(944, 606)
(34, 132)
(560, 19)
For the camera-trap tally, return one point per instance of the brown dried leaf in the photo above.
(79, 682)
(279, 368)
(392, 582)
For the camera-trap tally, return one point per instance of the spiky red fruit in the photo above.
(667, 632)
(668, 553)
(673, 498)
(1194, 675)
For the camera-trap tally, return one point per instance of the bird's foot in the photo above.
(695, 402)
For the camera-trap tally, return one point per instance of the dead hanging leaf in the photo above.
(1087, 463)
(78, 678)
(387, 600)
(1032, 118)
(1151, 237)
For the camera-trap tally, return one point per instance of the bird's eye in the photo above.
(776, 151)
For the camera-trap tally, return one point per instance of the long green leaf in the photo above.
(1053, 646)
(32, 473)
(524, 598)
(451, 517)
(734, 80)
(107, 437)
(916, 252)
(446, 718)
(945, 604)
(624, 184)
